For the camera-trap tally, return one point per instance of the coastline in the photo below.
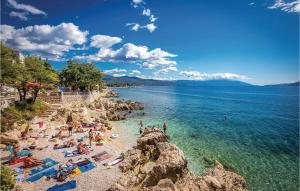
(99, 177)
(128, 141)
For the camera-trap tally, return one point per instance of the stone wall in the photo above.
(67, 98)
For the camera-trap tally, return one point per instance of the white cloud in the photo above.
(291, 7)
(152, 18)
(43, 40)
(115, 70)
(137, 1)
(147, 12)
(195, 75)
(252, 3)
(151, 27)
(159, 75)
(135, 72)
(133, 54)
(104, 41)
(20, 15)
(134, 26)
(80, 48)
(27, 8)
(118, 75)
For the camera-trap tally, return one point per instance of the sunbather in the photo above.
(16, 148)
(58, 135)
(70, 143)
(61, 174)
(99, 137)
(29, 161)
(81, 149)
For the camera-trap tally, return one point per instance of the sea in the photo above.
(252, 130)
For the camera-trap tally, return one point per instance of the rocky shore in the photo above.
(155, 164)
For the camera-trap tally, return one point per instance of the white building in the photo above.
(20, 56)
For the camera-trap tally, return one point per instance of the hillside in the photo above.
(285, 84)
(134, 81)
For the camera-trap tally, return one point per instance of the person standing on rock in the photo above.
(141, 127)
(70, 124)
(70, 129)
(141, 123)
(165, 128)
(91, 135)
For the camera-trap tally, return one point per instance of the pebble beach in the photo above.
(99, 178)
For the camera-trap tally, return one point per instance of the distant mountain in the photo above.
(285, 84)
(135, 81)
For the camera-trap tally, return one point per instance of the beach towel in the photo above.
(83, 163)
(71, 153)
(75, 172)
(18, 170)
(116, 161)
(13, 162)
(48, 163)
(101, 156)
(87, 167)
(88, 125)
(82, 138)
(20, 153)
(20, 177)
(65, 186)
(40, 175)
(60, 147)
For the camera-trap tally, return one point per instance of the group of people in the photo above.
(28, 161)
(165, 127)
(98, 136)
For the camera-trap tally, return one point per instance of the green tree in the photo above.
(41, 73)
(13, 73)
(82, 76)
(20, 75)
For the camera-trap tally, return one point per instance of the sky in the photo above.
(247, 40)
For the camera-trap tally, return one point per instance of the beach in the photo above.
(99, 178)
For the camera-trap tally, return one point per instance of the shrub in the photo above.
(20, 112)
(7, 178)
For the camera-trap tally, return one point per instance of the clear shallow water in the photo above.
(259, 137)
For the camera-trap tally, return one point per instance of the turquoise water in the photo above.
(253, 129)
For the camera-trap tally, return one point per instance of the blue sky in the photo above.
(252, 41)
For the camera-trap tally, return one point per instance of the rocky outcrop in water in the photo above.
(118, 110)
(110, 93)
(155, 164)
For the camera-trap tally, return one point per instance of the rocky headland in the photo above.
(156, 164)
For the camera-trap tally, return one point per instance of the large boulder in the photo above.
(155, 164)
(11, 137)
